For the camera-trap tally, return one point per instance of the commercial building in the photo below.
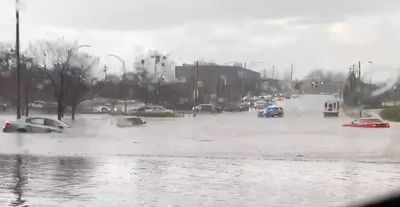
(217, 83)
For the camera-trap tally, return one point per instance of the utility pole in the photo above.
(195, 94)
(273, 72)
(18, 60)
(243, 82)
(155, 68)
(105, 72)
(291, 77)
(156, 61)
(359, 70)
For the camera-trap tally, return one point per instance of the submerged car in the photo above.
(209, 108)
(271, 111)
(130, 121)
(237, 106)
(34, 125)
(245, 106)
(368, 123)
(260, 104)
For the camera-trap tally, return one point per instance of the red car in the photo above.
(368, 123)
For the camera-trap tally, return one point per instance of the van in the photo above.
(331, 108)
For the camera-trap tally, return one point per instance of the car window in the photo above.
(52, 123)
(374, 120)
(36, 121)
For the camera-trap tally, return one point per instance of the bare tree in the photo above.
(63, 64)
(32, 76)
(78, 82)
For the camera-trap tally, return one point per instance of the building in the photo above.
(217, 83)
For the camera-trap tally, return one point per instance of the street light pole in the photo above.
(291, 77)
(122, 62)
(196, 74)
(156, 61)
(371, 72)
(18, 60)
(105, 72)
(243, 82)
(123, 78)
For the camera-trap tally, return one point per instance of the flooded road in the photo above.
(229, 159)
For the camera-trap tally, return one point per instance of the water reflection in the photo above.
(20, 182)
(69, 175)
(29, 180)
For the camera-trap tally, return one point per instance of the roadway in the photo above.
(228, 159)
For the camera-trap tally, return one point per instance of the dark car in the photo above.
(238, 106)
(210, 108)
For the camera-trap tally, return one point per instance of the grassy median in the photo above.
(391, 113)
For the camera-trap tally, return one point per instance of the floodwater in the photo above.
(229, 159)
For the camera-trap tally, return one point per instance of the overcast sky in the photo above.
(329, 34)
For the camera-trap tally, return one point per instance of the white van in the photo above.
(331, 108)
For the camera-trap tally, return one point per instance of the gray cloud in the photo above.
(151, 14)
(310, 33)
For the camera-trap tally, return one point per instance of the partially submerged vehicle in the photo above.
(331, 108)
(271, 111)
(368, 123)
(260, 104)
(129, 121)
(34, 125)
(237, 106)
(208, 108)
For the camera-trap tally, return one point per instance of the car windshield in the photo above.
(199, 102)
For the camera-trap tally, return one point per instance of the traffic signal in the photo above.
(322, 82)
(315, 84)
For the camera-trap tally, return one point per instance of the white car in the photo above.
(130, 121)
(37, 104)
(154, 109)
(34, 125)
